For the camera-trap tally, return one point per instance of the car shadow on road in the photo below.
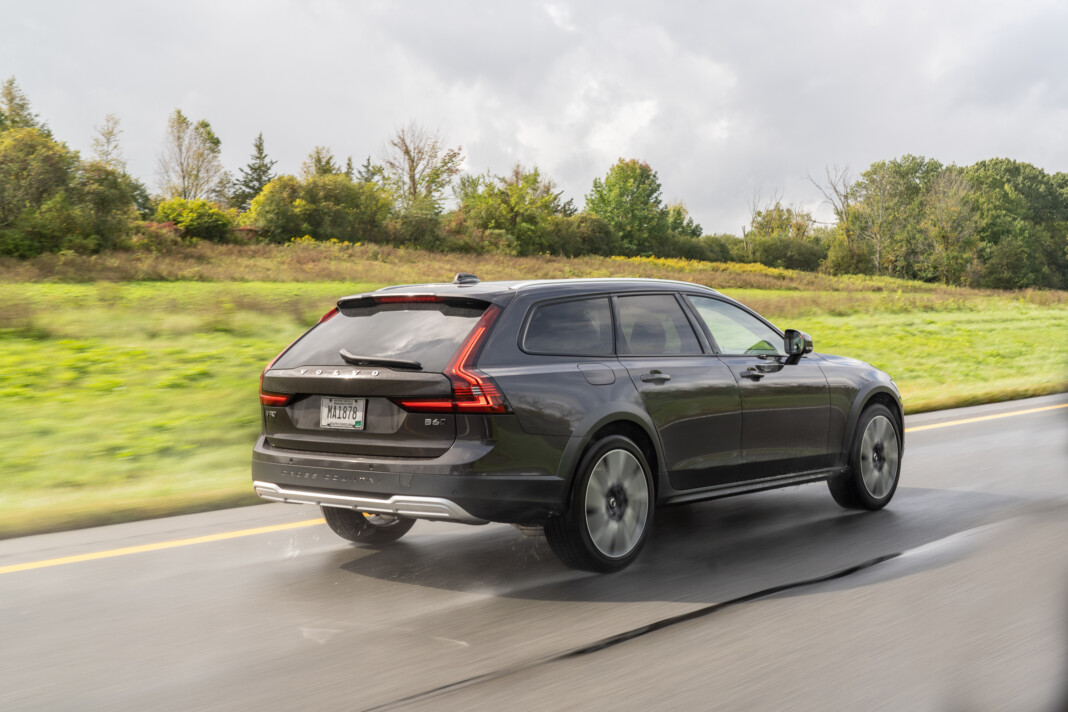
(700, 553)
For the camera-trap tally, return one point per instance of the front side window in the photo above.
(654, 325)
(735, 330)
(580, 327)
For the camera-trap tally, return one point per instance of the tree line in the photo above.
(997, 223)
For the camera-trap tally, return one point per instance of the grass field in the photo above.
(128, 400)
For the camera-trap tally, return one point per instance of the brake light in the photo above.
(472, 390)
(325, 317)
(407, 299)
(276, 399)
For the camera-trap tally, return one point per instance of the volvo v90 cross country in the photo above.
(577, 406)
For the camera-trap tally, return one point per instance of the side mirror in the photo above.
(798, 343)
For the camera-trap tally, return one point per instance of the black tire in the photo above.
(874, 462)
(610, 510)
(370, 529)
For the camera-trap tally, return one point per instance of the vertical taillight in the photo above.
(472, 390)
(279, 399)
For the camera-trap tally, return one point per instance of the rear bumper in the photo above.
(444, 488)
(400, 505)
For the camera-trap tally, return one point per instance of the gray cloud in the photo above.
(724, 100)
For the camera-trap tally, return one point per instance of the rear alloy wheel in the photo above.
(371, 529)
(611, 508)
(875, 462)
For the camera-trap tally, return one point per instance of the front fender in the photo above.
(885, 393)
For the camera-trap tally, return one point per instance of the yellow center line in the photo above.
(932, 426)
(157, 546)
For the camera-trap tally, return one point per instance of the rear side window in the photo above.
(655, 324)
(428, 333)
(582, 327)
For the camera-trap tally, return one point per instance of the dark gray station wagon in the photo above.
(576, 406)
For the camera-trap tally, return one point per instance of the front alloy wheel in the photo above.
(875, 462)
(879, 457)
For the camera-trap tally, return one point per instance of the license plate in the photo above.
(342, 413)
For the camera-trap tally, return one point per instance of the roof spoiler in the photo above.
(365, 301)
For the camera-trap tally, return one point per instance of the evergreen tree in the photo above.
(253, 176)
(15, 112)
(370, 173)
(320, 162)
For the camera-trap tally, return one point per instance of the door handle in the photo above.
(655, 376)
(752, 373)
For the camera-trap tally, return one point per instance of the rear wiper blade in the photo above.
(377, 361)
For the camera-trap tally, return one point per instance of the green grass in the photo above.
(128, 400)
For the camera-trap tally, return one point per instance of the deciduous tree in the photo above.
(420, 167)
(1022, 224)
(839, 191)
(33, 168)
(105, 144)
(519, 203)
(190, 165)
(950, 224)
(51, 201)
(628, 199)
(680, 222)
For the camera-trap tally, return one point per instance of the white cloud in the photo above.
(614, 136)
(560, 15)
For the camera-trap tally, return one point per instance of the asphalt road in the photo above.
(953, 598)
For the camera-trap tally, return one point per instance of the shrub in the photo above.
(788, 253)
(198, 218)
(849, 257)
(416, 228)
(576, 235)
(718, 247)
(323, 206)
(155, 237)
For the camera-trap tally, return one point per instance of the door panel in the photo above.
(785, 406)
(785, 415)
(690, 395)
(697, 413)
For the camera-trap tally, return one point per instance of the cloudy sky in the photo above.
(726, 100)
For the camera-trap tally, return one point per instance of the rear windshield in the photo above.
(427, 333)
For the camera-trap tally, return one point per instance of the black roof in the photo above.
(487, 290)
